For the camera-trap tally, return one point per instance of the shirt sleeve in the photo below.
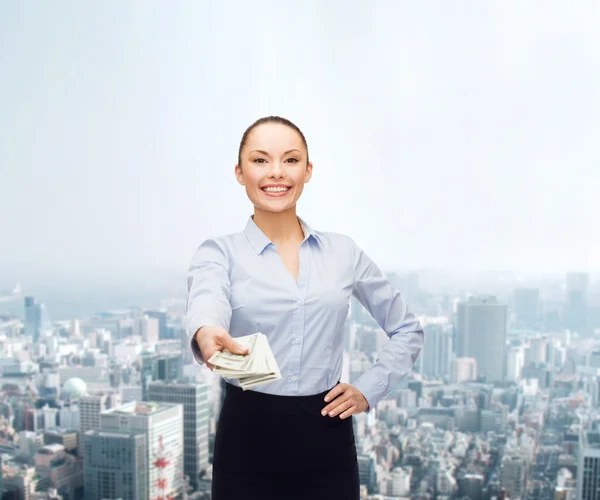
(387, 306)
(209, 292)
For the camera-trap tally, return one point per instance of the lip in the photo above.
(276, 195)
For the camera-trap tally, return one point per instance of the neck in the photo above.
(279, 227)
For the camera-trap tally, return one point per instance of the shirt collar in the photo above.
(260, 241)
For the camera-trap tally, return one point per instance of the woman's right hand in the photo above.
(212, 339)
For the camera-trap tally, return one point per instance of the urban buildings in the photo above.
(588, 466)
(481, 327)
(196, 424)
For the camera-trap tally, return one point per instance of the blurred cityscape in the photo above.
(503, 402)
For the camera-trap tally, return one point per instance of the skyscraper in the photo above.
(481, 334)
(471, 486)
(513, 474)
(515, 360)
(32, 318)
(576, 308)
(37, 321)
(90, 408)
(437, 350)
(162, 423)
(115, 465)
(194, 398)
(588, 467)
(463, 370)
(163, 330)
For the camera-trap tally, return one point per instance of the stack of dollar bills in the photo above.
(256, 368)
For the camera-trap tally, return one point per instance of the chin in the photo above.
(274, 209)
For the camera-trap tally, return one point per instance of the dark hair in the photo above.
(269, 119)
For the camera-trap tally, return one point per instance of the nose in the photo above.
(276, 170)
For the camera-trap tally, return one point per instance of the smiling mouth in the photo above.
(276, 190)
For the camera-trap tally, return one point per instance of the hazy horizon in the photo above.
(457, 137)
(67, 298)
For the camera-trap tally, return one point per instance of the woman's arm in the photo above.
(209, 291)
(387, 306)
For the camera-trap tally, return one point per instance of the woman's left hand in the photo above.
(345, 399)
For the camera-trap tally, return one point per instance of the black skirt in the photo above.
(272, 447)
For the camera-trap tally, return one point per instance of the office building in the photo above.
(37, 322)
(437, 351)
(367, 471)
(55, 468)
(163, 330)
(515, 360)
(162, 423)
(471, 486)
(463, 370)
(576, 307)
(194, 399)
(513, 475)
(67, 439)
(588, 466)
(481, 334)
(149, 329)
(115, 465)
(90, 408)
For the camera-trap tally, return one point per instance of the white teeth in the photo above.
(275, 189)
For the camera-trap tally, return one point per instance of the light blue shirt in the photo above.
(239, 282)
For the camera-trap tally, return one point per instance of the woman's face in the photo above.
(273, 168)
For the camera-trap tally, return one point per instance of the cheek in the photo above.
(252, 193)
(252, 183)
(299, 179)
(252, 180)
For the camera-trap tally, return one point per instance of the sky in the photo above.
(444, 135)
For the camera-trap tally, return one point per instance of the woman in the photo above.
(291, 438)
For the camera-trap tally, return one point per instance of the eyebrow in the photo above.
(267, 154)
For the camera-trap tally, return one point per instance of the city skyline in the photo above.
(486, 411)
(460, 425)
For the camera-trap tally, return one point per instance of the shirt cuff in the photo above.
(371, 387)
(196, 352)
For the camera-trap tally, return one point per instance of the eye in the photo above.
(293, 160)
(258, 160)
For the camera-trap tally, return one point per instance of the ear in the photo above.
(239, 175)
(308, 172)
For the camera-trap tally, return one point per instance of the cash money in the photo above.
(253, 369)
(236, 362)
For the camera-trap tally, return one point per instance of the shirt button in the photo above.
(294, 378)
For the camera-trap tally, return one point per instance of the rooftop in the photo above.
(591, 439)
(140, 408)
(51, 448)
(110, 434)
